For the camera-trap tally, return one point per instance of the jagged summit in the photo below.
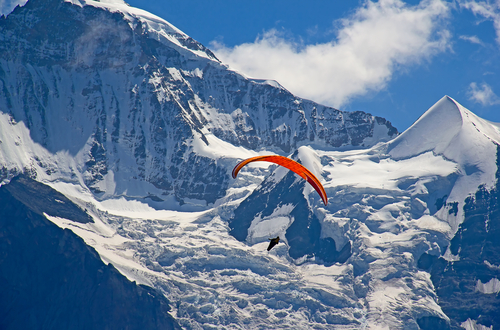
(157, 28)
(151, 25)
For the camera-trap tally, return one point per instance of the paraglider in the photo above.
(273, 242)
(291, 165)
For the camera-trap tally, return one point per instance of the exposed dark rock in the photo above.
(41, 199)
(477, 247)
(50, 279)
(432, 323)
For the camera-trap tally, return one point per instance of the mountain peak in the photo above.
(432, 131)
(38, 12)
(452, 132)
(158, 28)
(444, 128)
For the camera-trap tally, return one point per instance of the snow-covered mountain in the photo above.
(119, 127)
(134, 101)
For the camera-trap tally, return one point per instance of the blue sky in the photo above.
(391, 58)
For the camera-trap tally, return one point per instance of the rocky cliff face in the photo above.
(50, 279)
(466, 280)
(129, 95)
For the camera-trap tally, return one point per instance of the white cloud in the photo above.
(378, 39)
(483, 94)
(487, 9)
(6, 6)
(472, 39)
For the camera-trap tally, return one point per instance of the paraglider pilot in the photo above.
(292, 166)
(273, 242)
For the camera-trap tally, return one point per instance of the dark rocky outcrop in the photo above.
(477, 249)
(50, 279)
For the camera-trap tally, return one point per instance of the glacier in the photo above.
(135, 127)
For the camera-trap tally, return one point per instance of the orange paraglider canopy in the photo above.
(292, 166)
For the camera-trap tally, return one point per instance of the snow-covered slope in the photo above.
(139, 125)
